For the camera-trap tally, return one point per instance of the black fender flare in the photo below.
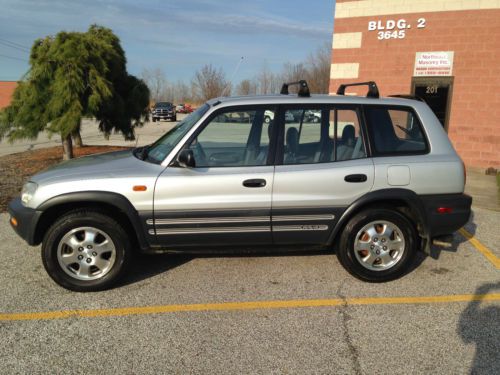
(114, 199)
(409, 197)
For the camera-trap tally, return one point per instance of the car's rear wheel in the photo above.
(86, 251)
(378, 245)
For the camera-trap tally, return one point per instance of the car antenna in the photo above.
(232, 76)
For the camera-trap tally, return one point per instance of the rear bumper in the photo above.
(26, 218)
(456, 214)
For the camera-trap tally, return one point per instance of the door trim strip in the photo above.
(210, 220)
(299, 228)
(209, 230)
(303, 217)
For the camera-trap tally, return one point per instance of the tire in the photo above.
(154, 119)
(86, 251)
(267, 119)
(315, 120)
(386, 257)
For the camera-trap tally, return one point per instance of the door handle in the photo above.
(355, 178)
(254, 183)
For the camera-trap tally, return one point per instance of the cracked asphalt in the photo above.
(347, 338)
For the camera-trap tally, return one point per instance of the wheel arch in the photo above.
(404, 201)
(113, 203)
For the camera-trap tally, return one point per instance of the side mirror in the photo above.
(185, 159)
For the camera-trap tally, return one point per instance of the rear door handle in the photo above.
(254, 183)
(355, 178)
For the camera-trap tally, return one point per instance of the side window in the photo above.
(322, 136)
(233, 139)
(347, 137)
(395, 131)
(302, 136)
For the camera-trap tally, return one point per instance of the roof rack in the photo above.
(303, 88)
(405, 96)
(372, 88)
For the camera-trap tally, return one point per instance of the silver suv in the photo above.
(375, 179)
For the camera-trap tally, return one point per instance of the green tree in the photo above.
(74, 75)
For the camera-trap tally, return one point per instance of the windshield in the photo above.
(163, 104)
(163, 146)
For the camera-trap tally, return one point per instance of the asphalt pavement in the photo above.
(275, 314)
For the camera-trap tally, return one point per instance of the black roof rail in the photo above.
(372, 88)
(303, 88)
(405, 96)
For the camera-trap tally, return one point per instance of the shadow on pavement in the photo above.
(480, 324)
(146, 266)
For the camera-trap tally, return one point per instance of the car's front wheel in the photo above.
(378, 245)
(86, 251)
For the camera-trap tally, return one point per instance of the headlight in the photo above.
(27, 192)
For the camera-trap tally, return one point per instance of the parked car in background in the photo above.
(312, 116)
(269, 117)
(164, 111)
(186, 108)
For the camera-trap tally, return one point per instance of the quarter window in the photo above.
(395, 131)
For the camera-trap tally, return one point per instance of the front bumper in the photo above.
(164, 115)
(26, 219)
(444, 223)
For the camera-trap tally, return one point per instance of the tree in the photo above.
(318, 69)
(267, 81)
(157, 83)
(246, 87)
(74, 75)
(209, 82)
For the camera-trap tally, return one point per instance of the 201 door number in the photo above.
(431, 90)
(393, 29)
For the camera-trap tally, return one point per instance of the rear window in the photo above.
(395, 131)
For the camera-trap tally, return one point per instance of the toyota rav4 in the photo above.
(374, 179)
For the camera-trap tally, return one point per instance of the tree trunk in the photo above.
(77, 138)
(67, 147)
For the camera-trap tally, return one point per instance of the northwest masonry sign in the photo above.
(433, 63)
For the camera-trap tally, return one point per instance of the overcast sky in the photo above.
(178, 36)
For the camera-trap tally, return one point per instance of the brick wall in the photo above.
(6, 90)
(473, 35)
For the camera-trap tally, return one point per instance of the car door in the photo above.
(321, 168)
(225, 199)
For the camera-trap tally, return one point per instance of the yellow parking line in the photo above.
(481, 248)
(232, 306)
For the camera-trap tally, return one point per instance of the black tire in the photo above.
(92, 219)
(267, 119)
(349, 260)
(154, 119)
